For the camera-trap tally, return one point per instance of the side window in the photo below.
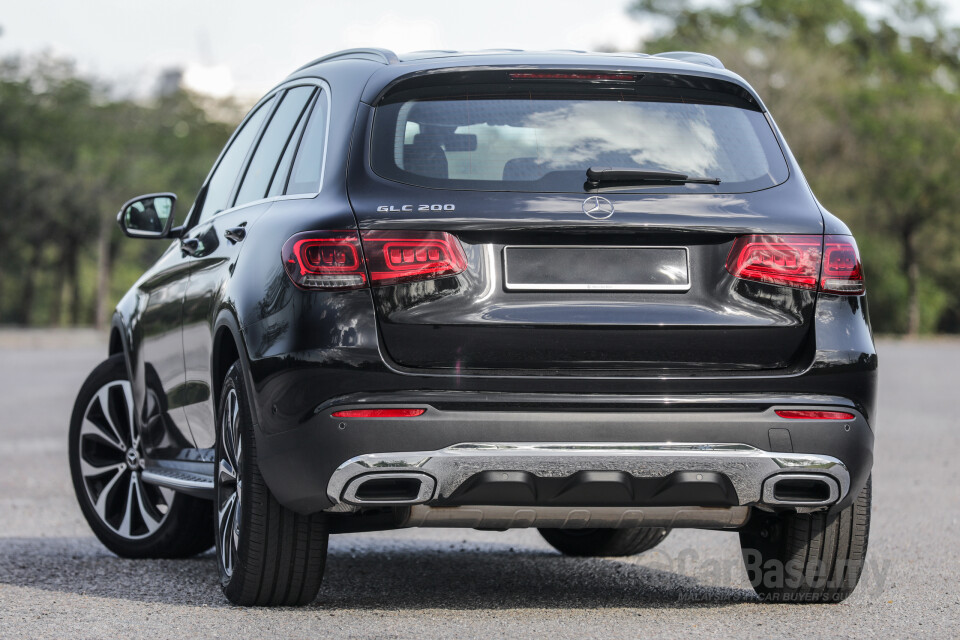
(225, 176)
(308, 167)
(283, 169)
(275, 136)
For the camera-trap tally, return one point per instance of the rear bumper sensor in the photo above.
(561, 474)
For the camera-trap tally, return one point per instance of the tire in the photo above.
(267, 555)
(600, 543)
(131, 518)
(808, 558)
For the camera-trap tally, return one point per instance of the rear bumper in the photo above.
(596, 474)
(495, 449)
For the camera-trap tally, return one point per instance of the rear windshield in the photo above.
(525, 141)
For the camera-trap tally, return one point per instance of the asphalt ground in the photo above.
(57, 581)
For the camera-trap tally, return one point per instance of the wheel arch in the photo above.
(229, 347)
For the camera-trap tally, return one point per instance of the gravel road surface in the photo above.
(57, 581)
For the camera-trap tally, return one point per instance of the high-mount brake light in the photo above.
(325, 260)
(842, 272)
(795, 261)
(408, 256)
(607, 77)
(379, 413)
(803, 414)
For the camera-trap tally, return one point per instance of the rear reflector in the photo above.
(379, 413)
(608, 77)
(813, 415)
(329, 260)
(408, 256)
(795, 261)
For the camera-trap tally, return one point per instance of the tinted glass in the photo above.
(528, 142)
(308, 167)
(279, 182)
(221, 183)
(275, 136)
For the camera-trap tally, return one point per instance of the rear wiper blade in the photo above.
(596, 177)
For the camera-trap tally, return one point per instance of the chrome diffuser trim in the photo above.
(494, 517)
(747, 467)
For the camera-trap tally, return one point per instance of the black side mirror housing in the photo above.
(148, 216)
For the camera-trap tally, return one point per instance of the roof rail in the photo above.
(383, 56)
(694, 57)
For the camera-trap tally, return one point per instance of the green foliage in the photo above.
(70, 155)
(870, 106)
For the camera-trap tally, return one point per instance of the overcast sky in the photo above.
(244, 47)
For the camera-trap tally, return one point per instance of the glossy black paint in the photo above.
(464, 344)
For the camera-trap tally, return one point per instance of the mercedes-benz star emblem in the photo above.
(598, 208)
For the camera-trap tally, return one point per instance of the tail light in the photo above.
(801, 414)
(842, 272)
(407, 256)
(334, 260)
(795, 261)
(330, 260)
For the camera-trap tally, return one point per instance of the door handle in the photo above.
(190, 246)
(235, 234)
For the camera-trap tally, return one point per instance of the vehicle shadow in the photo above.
(417, 574)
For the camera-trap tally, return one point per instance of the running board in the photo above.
(191, 483)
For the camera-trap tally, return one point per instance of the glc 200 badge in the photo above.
(598, 208)
(405, 208)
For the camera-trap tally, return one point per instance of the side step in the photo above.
(191, 483)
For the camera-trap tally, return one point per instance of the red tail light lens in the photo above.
(793, 261)
(842, 272)
(813, 415)
(408, 256)
(329, 260)
(379, 413)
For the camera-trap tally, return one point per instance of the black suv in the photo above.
(588, 293)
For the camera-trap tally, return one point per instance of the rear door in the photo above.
(564, 276)
(222, 233)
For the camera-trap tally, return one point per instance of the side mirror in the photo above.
(149, 216)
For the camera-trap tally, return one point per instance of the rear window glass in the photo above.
(529, 142)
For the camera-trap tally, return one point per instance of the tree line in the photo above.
(868, 97)
(70, 154)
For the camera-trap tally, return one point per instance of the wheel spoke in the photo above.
(103, 398)
(226, 516)
(227, 473)
(91, 429)
(126, 524)
(100, 506)
(89, 470)
(144, 504)
(128, 398)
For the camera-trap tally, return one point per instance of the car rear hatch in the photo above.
(617, 274)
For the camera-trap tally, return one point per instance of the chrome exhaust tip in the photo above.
(801, 490)
(389, 489)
